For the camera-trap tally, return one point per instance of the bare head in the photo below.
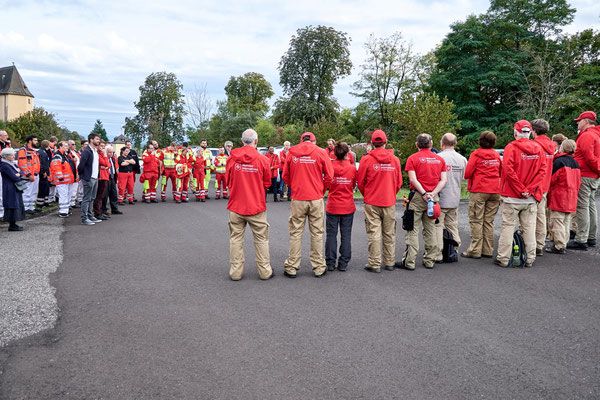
(250, 137)
(286, 145)
(448, 141)
(424, 141)
(568, 146)
(540, 127)
(3, 135)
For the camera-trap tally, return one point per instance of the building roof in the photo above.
(12, 83)
(120, 139)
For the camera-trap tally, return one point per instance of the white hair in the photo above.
(287, 143)
(522, 135)
(249, 136)
(108, 148)
(7, 152)
(3, 132)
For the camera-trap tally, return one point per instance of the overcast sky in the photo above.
(85, 60)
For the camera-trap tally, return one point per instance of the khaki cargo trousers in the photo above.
(483, 208)
(559, 224)
(541, 228)
(313, 210)
(514, 215)
(380, 223)
(419, 206)
(448, 219)
(586, 214)
(260, 230)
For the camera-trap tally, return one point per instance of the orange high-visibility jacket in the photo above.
(60, 170)
(29, 161)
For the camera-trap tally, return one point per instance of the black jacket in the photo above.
(44, 161)
(85, 167)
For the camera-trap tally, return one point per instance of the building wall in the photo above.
(13, 106)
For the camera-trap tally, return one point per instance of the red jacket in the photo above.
(308, 171)
(273, 164)
(103, 167)
(587, 153)
(247, 176)
(566, 179)
(199, 166)
(151, 163)
(483, 171)
(549, 147)
(428, 168)
(523, 169)
(332, 157)
(282, 158)
(341, 191)
(379, 177)
(61, 172)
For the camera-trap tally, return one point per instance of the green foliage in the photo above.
(316, 59)
(160, 111)
(99, 130)
(542, 17)
(37, 122)
(249, 92)
(426, 113)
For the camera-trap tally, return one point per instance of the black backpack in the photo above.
(518, 254)
(449, 252)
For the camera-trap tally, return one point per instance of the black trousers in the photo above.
(110, 197)
(344, 223)
(43, 192)
(274, 187)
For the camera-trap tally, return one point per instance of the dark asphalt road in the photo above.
(148, 312)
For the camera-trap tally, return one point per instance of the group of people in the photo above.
(539, 182)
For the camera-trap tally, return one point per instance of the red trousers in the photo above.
(150, 187)
(168, 174)
(198, 188)
(183, 184)
(126, 182)
(221, 187)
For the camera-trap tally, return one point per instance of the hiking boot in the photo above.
(554, 250)
(539, 252)
(373, 269)
(575, 245)
(591, 242)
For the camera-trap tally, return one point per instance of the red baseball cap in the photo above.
(309, 135)
(586, 115)
(520, 125)
(378, 136)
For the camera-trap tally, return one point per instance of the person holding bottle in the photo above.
(427, 175)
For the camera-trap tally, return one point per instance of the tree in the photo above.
(160, 111)
(426, 113)
(99, 129)
(389, 72)
(199, 107)
(542, 17)
(316, 59)
(248, 92)
(37, 122)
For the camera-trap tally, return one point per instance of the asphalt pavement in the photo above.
(147, 312)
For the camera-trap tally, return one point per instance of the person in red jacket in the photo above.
(150, 174)
(379, 180)
(248, 176)
(340, 210)
(284, 190)
(483, 175)
(523, 172)
(540, 128)
(274, 167)
(198, 174)
(103, 175)
(309, 172)
(184, 162)
(61, 176)
(562, 197)
(587, 156)
(427, 174)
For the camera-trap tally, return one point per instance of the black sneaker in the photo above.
(554, 250)
(539, 252)
(117, 212)
(291, 276)
(63, 215)
(591, 242)
(389, 267)
(15, 228)
(575, 245)
(331, 268)
(373, 269)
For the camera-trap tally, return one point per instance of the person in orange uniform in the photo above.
(220, 169)
(150, 174)
(61, 176)
(29, 164)
(167, 158)
(183, 166)
(198, 173)
(274, 164)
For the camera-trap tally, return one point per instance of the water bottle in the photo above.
(516, 260)
(430, 208)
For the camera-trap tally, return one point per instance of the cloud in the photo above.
(85, 59)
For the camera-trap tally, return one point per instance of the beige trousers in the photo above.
(540, 223)
(559, 224)
(513, 215)
(449, 220)
(301, 210)
(380, 223)
(483, 208)
(260, 230)
(419, 206)
(586, 210)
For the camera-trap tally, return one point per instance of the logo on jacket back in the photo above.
(429, 160)
(303, 160)
(384, 167)
(246, 168)
(529, 156)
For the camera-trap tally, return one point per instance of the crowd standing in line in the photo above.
(537, 185)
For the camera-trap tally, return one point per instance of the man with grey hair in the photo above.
(450, 194)
(4, 143)
(523, 170)
(227, 146)
(540, 128)
(283, 188)
(248, 176)
(427, 174)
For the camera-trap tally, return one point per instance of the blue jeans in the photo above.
(344, 222)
